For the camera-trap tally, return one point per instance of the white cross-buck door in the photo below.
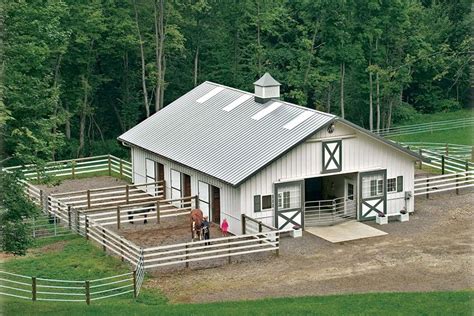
(288, 206)
(373, 194)
(332, 156)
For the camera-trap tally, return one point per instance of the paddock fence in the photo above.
(446, 164)
(56, 290)
(105, 164)
(255, 226)
(212, 249)
(426, 127)
(464, 152)
(448, 182)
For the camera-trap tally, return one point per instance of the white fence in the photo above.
(106, 164)
(55, 290)
(426, 127)
(448, 182)
(446, 164)
(464, 152)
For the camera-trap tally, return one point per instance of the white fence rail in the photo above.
(448, 182)
(72, 168)
(426, 127)
(55, 290)
(446, 164)
(464, 152)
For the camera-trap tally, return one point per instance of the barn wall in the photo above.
(230, 196)
(359, 153)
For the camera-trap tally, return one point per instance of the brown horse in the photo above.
(196, 221)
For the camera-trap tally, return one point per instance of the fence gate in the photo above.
(288, 206)
(373, 194)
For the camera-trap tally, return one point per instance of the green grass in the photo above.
(78, 259)
(462, 135)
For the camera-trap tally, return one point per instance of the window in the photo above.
(350, 191)
(372, 186)
(284, 199)
(392, 185)
(266, 202)
(399, 183)
(256, 203)
(395, 184)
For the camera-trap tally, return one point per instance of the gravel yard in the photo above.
(81, 184)
(433, 251)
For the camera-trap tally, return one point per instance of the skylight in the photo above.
(237, 102)
(298, 120)
(209, 95)
(272, 107)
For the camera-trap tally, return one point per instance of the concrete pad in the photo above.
(347, 231)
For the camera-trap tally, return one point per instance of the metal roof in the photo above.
(227, 145)
(267, 81)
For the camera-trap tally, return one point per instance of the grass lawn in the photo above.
(462, 135)
(75, 258)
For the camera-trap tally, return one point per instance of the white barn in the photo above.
(254, 154)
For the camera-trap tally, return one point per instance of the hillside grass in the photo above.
(461, 135)
(76, 259)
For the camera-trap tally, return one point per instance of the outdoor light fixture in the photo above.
(331, 128)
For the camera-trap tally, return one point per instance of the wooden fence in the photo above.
(43, 289)
(446, 164)
(464, 152)
(454, 181)
(105, 164)
(426, 127)
(110, 197)
(252, 225)
(212, 249)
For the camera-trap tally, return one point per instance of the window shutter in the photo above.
(399, 183)
(256, 203)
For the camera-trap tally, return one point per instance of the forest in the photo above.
(75, 74)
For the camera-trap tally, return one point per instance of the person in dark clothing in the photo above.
(206, 230)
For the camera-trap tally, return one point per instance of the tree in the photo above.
(15, 209)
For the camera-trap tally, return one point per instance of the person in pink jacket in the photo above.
(224, 227)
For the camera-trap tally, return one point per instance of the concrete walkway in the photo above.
(347, 231)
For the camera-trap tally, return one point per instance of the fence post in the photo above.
(164, 189)
(421, 160)
(34, 227)
(88, 292)
(243, 224)
(78, 222)
(69, 216)
(135, 283)
(73, 168)
(88, 198)
(228, 251)
(33, 289)
(442, 164)
(158, 212)
(467, 165)
(104, 240)
(427, 188)
(472, 153)
(127, 193)
(186, 250)
(260, 229)
(121, 167)
(121, 249)
(41, 199)
(55, 224)
(109, 165)
(196, 201)
(278, 244)
(118, 217)
(457, 189)
(87, 226)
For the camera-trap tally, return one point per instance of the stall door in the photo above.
(349, 197)
(175, 186)
(373, 194)
(216, 205)
(204, 197)
(288, 209)
(150, 170)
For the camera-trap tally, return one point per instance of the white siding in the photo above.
(359, 153)
(230, 196)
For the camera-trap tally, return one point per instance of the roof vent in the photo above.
(266, 88)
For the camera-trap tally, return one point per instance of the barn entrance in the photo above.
(216, 205)
(330, 199)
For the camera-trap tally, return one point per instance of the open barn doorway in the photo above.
(330, 199)
(216, 205)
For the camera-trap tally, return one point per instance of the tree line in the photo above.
(76, 73)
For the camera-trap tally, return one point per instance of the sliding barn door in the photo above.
(288, 206)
